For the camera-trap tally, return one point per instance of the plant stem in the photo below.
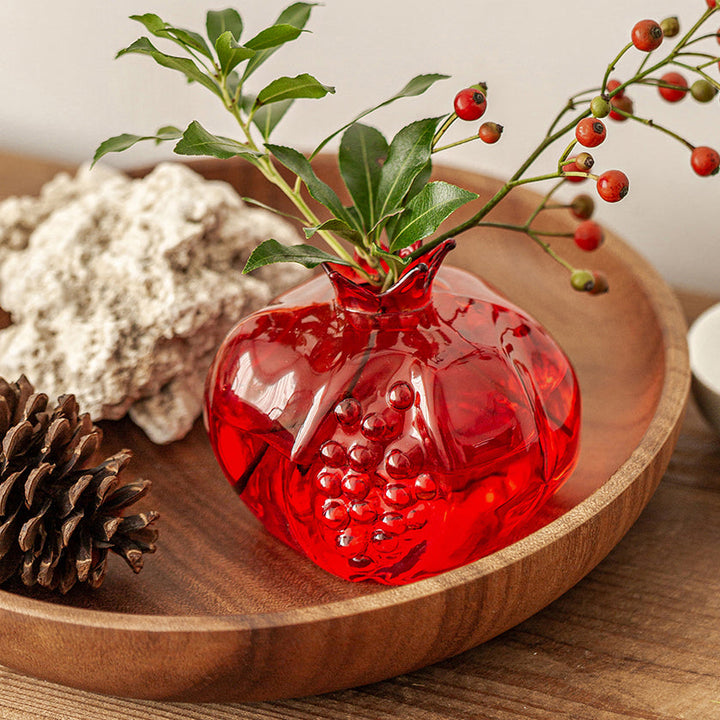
(554, 134)
(453, 144)
(543, 203)
(443, 128)
(566, 154)
(535, 236)
(266, 166)
(612, 64)
(700, 72)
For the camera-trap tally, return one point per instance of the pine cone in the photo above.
(58, 519)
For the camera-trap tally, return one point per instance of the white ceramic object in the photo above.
(704, 344)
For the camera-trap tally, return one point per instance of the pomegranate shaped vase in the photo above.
(393, 436)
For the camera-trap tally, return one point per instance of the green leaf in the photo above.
(268, 116)
(230, 54)
(184, 38)
(426, 211)
(363, 149)
(286, 88)
(219, 21)
(323, 193)
(125, 141)
(141, 46)
(416, 86)
(186, 66)
(408, 155)
(271, 251)
(269, 208)
(337, 227)
(152, 22)
(196, 140)
(420, 181)
(296, 15)
(273, 37)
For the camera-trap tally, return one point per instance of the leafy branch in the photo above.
(396, 209)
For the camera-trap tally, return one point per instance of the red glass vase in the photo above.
(393, 436)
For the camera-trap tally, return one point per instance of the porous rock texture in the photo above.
(121, 290)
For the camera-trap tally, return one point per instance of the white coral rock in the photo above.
(121, 290)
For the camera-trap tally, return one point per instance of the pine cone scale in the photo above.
(29, 531)
(8, 533)
(36, 478)
(6, 488)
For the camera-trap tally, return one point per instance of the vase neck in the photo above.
(411, 292)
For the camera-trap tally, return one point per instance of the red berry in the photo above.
(572, 167)
(590, 132)
(711, 3)
(705, 161)
(614, 85)
(673, 94)
(646, 35)
(588, 235)
(623, 103)
(613, 185)
(470, 104)
(490, 132)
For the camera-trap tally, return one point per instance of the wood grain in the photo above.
(227, 613)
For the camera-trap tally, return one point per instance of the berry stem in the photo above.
(514, 181)
(566, 154)
(453, 144)
(708, 63)
(535, 235)
(548, 249)
(611, 66)
(710, 58)
(570, 106)
(651, 123)
(699, 38)
(525, 229)
(542, 205)
(443, 129)
(700, 72)
(554, 133)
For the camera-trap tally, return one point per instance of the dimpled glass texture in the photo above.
(394, 436)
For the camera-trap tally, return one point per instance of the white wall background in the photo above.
(62, 92)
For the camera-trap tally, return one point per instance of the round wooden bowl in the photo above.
(223, 612)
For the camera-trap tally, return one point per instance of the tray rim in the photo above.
(662, 429)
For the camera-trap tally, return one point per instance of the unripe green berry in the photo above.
(670, 26)
(582, 280)
(703, 91)
(600, 107)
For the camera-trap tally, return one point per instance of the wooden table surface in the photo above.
(639, 637)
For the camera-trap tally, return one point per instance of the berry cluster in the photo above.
(611, 101)
(398, 210)
(673, 86)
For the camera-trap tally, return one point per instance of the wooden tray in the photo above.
(223, 612)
